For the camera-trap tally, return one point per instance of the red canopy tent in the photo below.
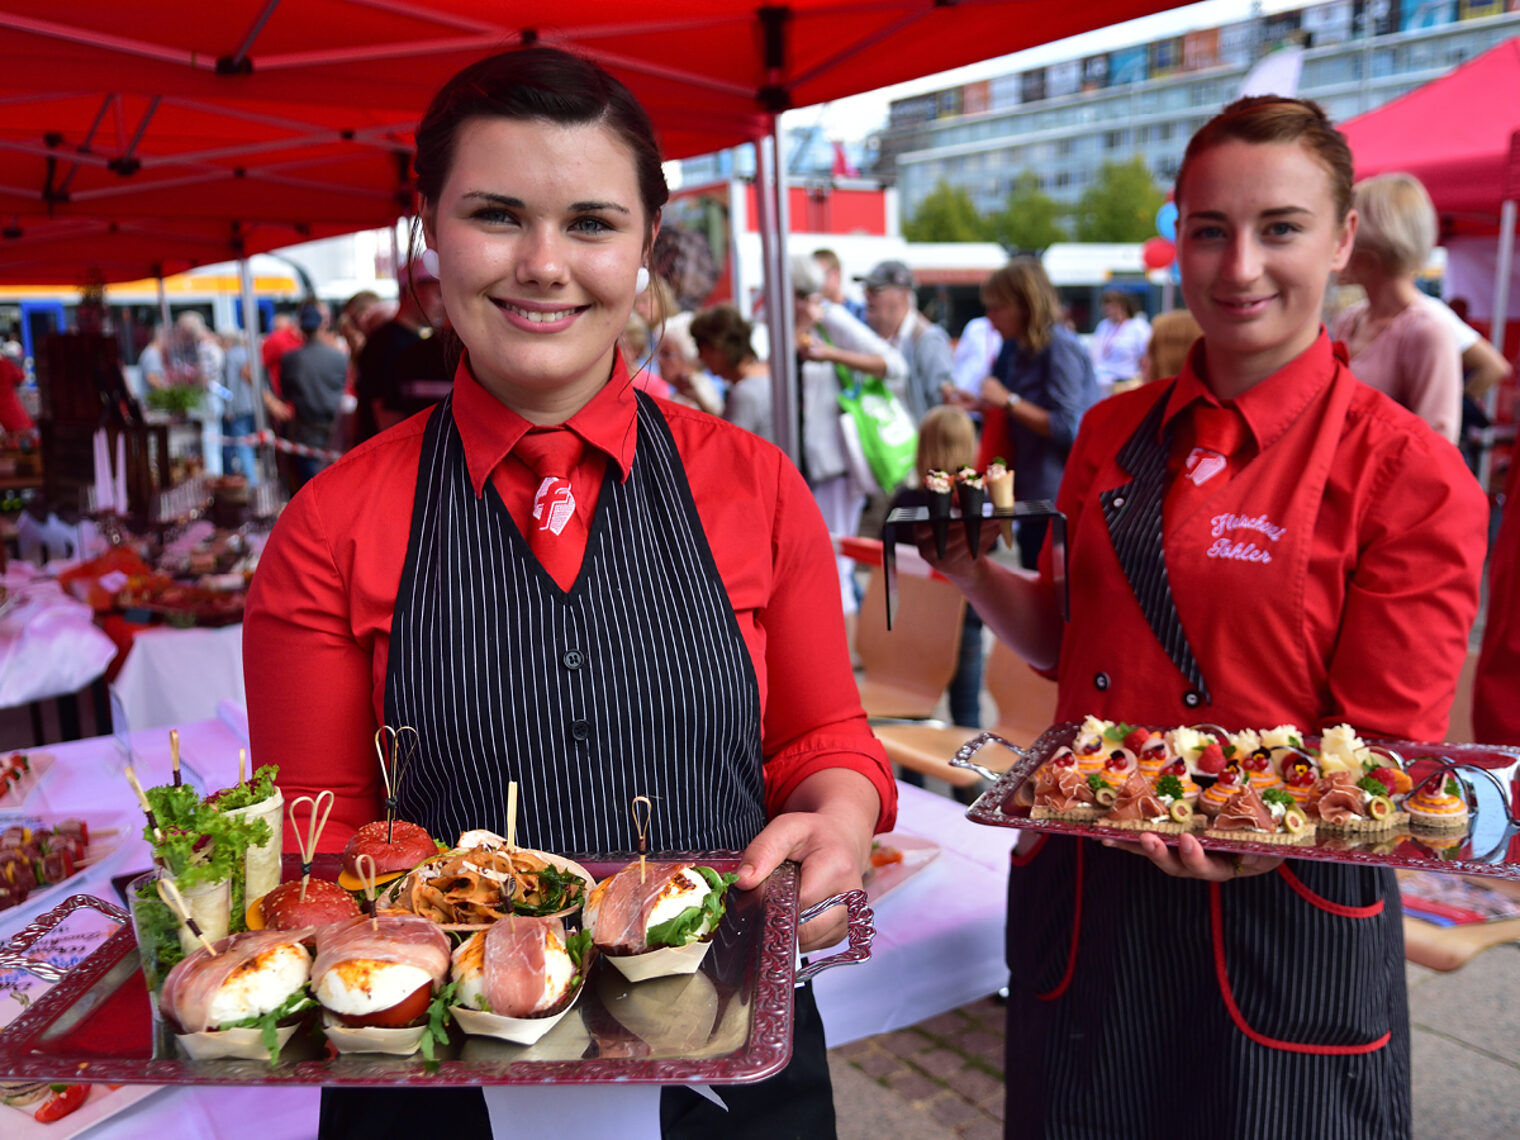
(252, 116)
(283, 120)
(1453, 134)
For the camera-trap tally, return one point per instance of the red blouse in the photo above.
(317, 628)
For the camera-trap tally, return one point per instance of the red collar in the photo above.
(490, 430)
(1270, 407)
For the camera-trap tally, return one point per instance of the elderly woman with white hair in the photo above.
(681, 368)
(1395, 342)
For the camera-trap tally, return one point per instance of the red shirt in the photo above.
(1333, 578)
(1496, 692)
(276, 345)
(317, 629)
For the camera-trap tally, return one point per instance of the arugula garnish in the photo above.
(1169, 786)
(268, 1024)
(1277, 796)
(483, 1002)
(695, 921)
(1372, 787)
(255, 791)
(437, 1031)
(559, 890)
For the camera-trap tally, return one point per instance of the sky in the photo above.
(853, 118)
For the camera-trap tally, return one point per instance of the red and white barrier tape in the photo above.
(268, 438)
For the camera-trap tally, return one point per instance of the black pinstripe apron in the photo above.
(1145, 1006)
(637, 681)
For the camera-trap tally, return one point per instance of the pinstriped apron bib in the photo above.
(636, 681)
(1268, 1007)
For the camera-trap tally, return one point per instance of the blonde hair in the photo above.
(1172, 335)
(1022, 282)
(1397, 224)
(946, 440)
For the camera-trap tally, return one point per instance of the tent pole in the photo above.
(1505, 261)
(163, 305)
(255, 363)
(779, 314)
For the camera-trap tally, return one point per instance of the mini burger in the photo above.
(243, 1001)
(284, 908)
(658, 919)
(376, 979)
(395, 847)
(516, 979)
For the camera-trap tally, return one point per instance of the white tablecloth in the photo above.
(49, 643)
(939, 940)
(177, 676)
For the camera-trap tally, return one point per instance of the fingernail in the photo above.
(746, 870)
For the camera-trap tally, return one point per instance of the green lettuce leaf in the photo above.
(254, 791)
(269, 1023)
(695, 921)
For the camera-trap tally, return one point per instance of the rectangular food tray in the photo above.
(730, 1023)
(1491, 846)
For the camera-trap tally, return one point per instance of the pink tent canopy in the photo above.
(249, 124)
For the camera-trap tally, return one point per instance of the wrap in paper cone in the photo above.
(968, 485)
(940, 487)
(999, 481)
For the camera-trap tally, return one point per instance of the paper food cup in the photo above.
(518, 1030)
(661, 963)
(262, 863)
(372, 1038)
(245, 1044)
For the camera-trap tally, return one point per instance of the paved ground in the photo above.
(941, 1080)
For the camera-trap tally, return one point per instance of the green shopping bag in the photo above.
(880, 440)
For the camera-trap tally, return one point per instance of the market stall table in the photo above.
(939, 940)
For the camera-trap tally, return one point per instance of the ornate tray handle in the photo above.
(13, 954)
(963, 755)
(862, 929)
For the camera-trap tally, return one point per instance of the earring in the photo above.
(641, 280)
(430, 261)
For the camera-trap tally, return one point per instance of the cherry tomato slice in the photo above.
(59, 1105)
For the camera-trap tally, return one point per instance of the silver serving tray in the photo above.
(730, 1023)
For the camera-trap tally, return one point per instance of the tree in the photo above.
(947, 214)
(1028, 220)
(1120, 206)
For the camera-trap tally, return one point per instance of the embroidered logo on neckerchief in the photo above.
(1203, 464)
(553, 504)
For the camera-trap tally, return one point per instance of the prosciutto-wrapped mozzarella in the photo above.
(521, 967)
(379, 972)
(621, 910)
(250, 975)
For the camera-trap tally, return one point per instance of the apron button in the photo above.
(1118, 502)
(572, 659)
(580, 729)
(1101, 682)
(1192, 698)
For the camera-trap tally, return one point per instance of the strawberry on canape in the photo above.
(1149, 747)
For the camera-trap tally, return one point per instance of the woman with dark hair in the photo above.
(1263, 541)
(1041, 384)
(724, 345)
(1118, 343)
(493, 573)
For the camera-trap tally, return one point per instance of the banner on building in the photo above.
(1006, 91)
(1383, 15)
(976, 98)
(911, 112)
(1032, 85)
(1095, 72)
(1327, 24)
(1166, 57)
(1200, 50)
(1415, 15)
(947, 103)
(1477, 9)
(1237, 44)
(1128, 65)
(1064, 78)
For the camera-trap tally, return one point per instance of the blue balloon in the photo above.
(1166, 221)
(1176, 272)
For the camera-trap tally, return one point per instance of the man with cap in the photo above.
(378, 386)
(313, 377)
(892, 313)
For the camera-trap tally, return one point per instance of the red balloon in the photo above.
(1158, 253)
